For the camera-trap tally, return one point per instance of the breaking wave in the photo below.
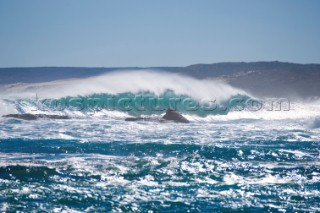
(132, 92)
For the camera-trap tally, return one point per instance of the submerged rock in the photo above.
(30, 117)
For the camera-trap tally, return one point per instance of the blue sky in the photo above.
(122, 33)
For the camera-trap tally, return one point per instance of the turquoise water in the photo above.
(107, 164)
(230, 159)
(139, 104)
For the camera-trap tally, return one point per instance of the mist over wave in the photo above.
(253, 160)
(125, 84)
(20, 98)
(155, 82)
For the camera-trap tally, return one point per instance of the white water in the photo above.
(155, 82)
(127, 81)
(234, 159)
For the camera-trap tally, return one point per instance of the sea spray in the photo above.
(135, 92)
(133, 82)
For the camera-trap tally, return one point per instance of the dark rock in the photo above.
(145, 119)
(134, 119)
(30, 117)
(172, 115)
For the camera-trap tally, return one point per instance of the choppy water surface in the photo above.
(251, 161)
(100, 164)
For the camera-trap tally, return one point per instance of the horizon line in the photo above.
(165, 66)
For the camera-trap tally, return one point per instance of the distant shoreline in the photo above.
(266, 79)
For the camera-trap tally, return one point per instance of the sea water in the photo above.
(239, 160)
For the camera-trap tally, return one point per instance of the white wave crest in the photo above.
(156, 82)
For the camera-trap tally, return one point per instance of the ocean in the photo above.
(239, 153)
